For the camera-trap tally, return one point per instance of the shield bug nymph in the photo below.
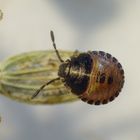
(95, 77)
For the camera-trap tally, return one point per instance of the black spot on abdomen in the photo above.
(110, 80)
(102, 78)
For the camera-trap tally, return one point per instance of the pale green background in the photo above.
(108, 25)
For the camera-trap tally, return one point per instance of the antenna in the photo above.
(54, 45)
(43, 86)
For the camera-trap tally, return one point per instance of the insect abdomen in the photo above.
(105, 81)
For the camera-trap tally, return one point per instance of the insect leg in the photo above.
(54, 45)
(43, 86)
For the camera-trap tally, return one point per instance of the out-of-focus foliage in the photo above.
(22, 75)
(1, 14)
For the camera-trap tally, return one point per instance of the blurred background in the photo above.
(108, 25)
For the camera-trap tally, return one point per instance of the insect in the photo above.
(95, 77)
